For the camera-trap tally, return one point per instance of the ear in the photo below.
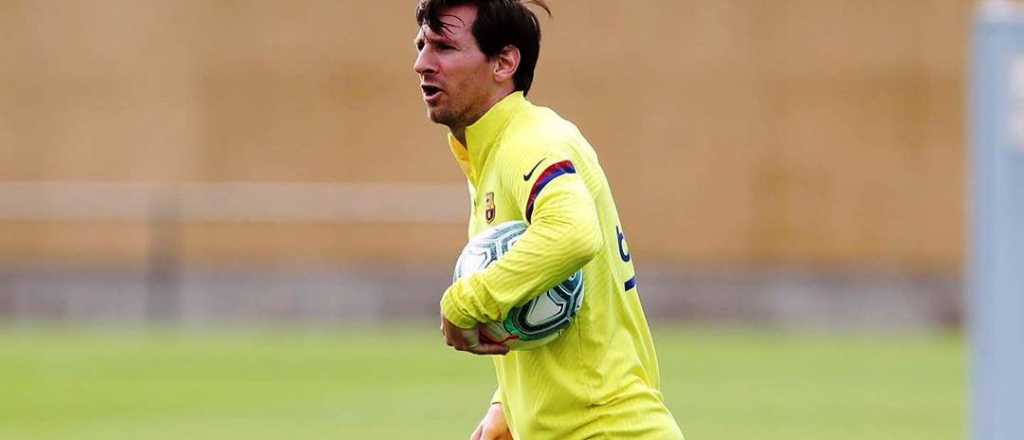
(507, 64)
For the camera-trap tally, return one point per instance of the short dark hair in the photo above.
(499, 23)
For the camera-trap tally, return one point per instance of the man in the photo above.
(599, 379)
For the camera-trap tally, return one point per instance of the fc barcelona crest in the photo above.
(489, 207)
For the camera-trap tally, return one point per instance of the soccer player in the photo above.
(599, 378)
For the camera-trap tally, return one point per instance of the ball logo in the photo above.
(489, 209)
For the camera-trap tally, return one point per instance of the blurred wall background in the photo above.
(792, 161)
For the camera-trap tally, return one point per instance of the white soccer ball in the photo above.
(538, 321)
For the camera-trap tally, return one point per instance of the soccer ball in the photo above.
(538, 321)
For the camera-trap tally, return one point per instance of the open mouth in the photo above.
(430, 92)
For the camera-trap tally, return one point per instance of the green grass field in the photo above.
(370, 383)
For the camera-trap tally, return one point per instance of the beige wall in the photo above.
(733, 131)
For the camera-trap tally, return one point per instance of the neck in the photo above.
(460, 134)
(459, 130)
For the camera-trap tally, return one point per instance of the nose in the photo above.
(425, 63)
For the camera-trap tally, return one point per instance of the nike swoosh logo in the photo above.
(526, 177)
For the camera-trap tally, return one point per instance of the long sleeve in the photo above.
(562, 236)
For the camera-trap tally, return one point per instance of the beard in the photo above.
(441, 116)
(447, 116)
(456, 114)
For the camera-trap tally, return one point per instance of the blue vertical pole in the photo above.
(996, 268)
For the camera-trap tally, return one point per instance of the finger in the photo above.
(495, 434)
(489, 349)
(464, 347)
(478, 433)
(456, 342)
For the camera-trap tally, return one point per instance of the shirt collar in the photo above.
(484, 133)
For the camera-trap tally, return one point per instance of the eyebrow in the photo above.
(422, 38)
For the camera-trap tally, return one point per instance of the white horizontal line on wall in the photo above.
(234, 202)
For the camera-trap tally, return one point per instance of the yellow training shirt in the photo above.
(599, 379)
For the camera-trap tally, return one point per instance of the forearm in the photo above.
(563, 237)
